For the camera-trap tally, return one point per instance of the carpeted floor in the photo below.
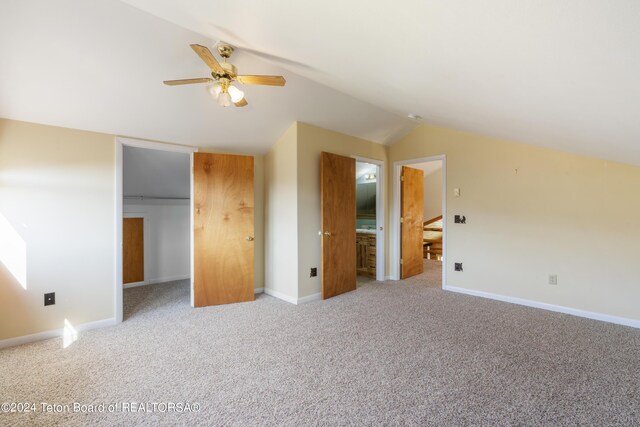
(403, 353)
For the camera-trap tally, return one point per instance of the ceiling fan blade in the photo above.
(205, 54)
(262, 80)
(187, 81)
(242, 103)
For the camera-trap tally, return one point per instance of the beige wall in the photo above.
(57, 204)
(281, 200)
(312, 141)
(532, 212)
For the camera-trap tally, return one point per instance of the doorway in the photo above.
(369, 220)
(156, 228)
(429, 236)
(163, 208)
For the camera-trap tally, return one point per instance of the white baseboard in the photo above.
(156, 281)
(169, 279)
(388, 278)
(551, 307)
(309, 298)
(25, 339)
(280, 295)
(134, 285)
(258, 290)
(291, 299)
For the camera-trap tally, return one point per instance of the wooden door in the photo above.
(411, 218)
(223, 245)
(132, 250)
(338, 217)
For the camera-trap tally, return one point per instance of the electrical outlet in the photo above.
(553, 279)
(50, 298)
(460, 219)
(314, 272)
(457, 266)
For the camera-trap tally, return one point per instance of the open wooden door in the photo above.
(338, 217)
(132, 250)
(411, 218)
(222, 229)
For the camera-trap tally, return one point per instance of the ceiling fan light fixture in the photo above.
(214, 89)
(224, 99)
(236, 94)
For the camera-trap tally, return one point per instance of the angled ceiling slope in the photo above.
(556, 74)
(99, 66)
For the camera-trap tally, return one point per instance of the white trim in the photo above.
(550, 307)
(258, 290)
(119, 214)
(395, 224)
(380, 206)
(280, 295)
(169, 279)
(387, 278)
(152, 145)
(117, 303)
(309, 298)
(191, 239)
(134, 285)
(157, 281)
(26, 339)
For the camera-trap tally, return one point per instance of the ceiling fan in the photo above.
(223, 74)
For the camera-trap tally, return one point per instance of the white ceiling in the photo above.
(557, 74)
(99, 65)
(364, 169)
(561, 74)
(154, 173)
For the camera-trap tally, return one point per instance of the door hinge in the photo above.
(401, 261)
(401, 178)
(401, 220)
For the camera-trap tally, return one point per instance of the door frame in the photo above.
(380, 231)
(145, 243)
(120, 142)
(395, 222)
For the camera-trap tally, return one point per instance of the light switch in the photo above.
(456, 192)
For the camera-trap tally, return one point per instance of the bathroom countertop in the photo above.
(365, 231)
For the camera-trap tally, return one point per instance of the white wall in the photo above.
(57, 201)
(167, 238)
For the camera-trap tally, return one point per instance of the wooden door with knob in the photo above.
(223, 241)
(338, 218)
(411, 223)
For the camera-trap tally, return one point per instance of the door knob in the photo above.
(326, 233)
(380, 228)
(250, 238)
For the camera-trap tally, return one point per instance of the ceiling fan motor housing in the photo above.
(230, 69)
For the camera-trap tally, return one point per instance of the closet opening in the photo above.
(156, 231)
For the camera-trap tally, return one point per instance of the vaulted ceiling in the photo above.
(555, 74)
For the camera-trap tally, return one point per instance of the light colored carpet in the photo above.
(403, 353)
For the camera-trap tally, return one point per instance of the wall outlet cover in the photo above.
(457, 266)
(460, 219)
(313, 272)
(50, 298)
(553, 279)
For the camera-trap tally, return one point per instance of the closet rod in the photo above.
(154, 198)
